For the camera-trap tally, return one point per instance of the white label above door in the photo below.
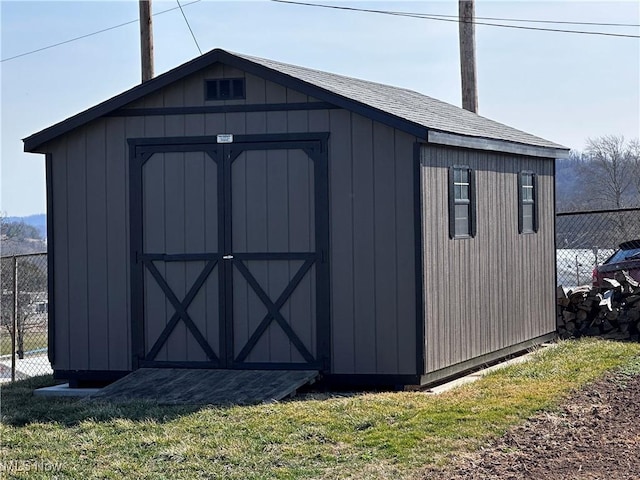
(224, 138)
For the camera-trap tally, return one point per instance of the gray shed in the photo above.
(241, 213)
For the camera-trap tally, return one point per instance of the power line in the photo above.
(431, 17)
(449, 18)
(187, 21)
(560, 22)
(91, 34)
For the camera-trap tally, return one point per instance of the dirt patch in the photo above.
(594, 435)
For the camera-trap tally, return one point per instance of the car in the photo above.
(626, 258)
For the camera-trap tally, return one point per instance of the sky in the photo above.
(562, 87)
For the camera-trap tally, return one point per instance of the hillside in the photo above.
(20, 235)
(38, 221)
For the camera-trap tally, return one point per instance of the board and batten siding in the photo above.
(371, 225)
(91, 248)
(496, 290)
(372, 247)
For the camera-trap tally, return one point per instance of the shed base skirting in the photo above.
(463, 367)
(89, 378)
(395, 381)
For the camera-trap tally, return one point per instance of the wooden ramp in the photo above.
(179, 386)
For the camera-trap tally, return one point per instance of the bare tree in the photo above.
(611, 172)
(634, 158)
(570, 196)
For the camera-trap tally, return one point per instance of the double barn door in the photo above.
(229, 252)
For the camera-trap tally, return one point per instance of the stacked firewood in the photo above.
(611, 310)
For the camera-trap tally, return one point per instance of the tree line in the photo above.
(606, 175)
(17, 237)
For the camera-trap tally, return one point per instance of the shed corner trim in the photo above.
(478, 143)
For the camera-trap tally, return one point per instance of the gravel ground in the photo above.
(594, 435)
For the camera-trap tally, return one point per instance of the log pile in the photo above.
(610, 311)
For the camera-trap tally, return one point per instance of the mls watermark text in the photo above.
(15, 466)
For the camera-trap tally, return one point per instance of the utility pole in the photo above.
(146, 40)
(466, 19)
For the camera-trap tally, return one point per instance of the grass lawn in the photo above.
(360, 436)
(32, 341)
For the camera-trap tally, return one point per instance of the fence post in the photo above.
(577, 271)
(14, 318)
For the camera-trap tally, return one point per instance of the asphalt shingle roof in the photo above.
(408, 104)
(404, 104)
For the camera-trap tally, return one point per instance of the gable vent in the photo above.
(225, 89)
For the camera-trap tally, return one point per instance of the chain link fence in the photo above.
(585, 240)
(23, 317)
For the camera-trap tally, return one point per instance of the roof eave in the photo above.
(481, 143)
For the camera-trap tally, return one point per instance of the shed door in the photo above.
(179, 259)
(230, 249)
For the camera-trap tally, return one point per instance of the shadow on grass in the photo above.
(19, 407)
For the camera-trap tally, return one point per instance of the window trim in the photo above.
(231, 82)
(471, 202)
(522, 202)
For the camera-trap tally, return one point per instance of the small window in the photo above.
(462, 208)
(225, 89)
(527, 203)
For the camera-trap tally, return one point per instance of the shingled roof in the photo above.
(419, 114)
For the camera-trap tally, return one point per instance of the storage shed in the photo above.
(241, 213)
